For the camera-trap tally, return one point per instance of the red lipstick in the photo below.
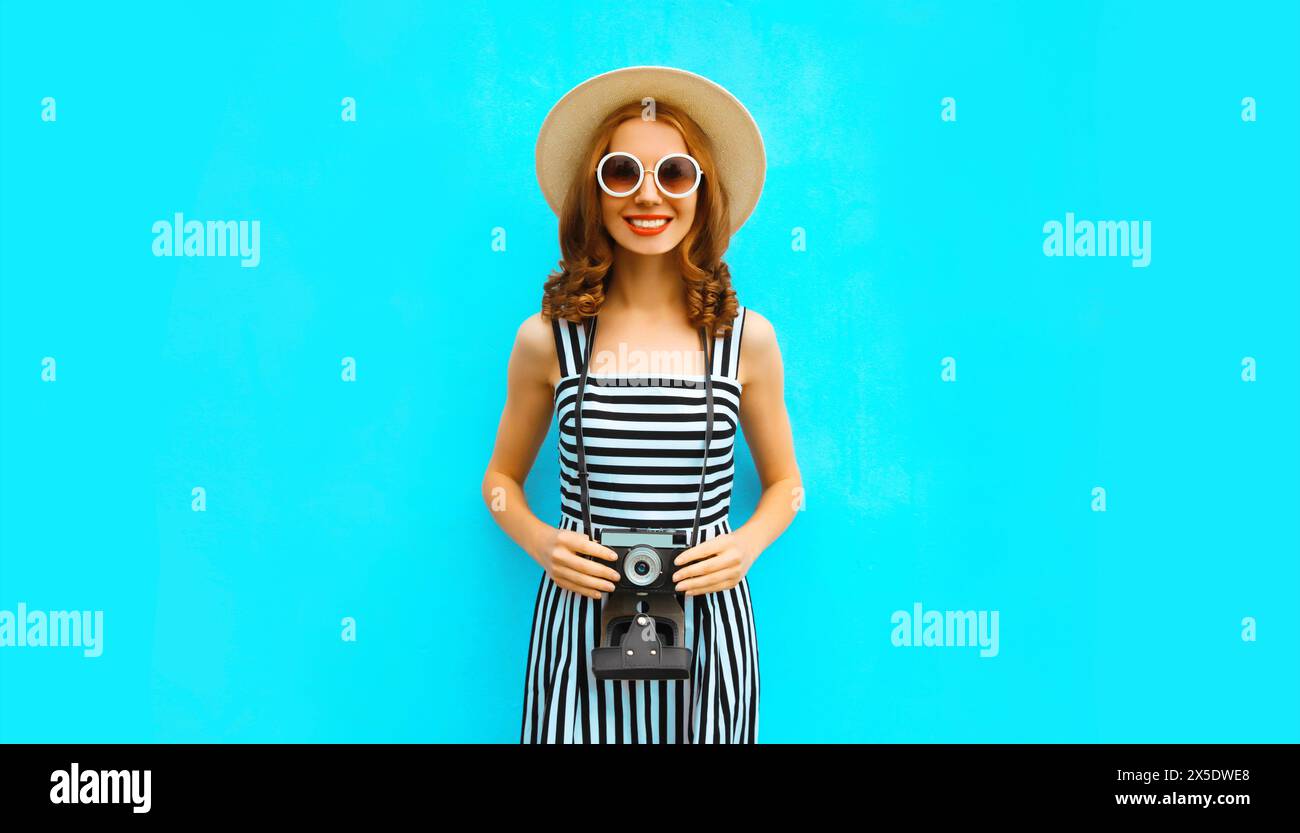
(650, 230)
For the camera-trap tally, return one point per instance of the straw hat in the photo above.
(737, 144)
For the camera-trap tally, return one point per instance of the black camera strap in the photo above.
(590, 326)
(577, 427)
(708, 431)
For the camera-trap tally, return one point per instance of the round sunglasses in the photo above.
(620, 174)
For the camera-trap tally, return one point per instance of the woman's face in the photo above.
(648, 141)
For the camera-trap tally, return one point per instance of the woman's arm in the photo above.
(720, 563)
(767, 432)
(524, 423)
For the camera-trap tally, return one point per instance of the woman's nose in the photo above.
(649, 193)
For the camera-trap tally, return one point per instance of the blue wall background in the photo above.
(328, 499)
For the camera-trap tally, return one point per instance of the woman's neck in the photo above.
(646, 283)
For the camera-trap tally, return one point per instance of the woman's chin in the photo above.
(637, 244)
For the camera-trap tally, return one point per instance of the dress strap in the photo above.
(570, 345)
(726, 348)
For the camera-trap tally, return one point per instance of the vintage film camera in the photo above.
(642, 624)
(645, 556)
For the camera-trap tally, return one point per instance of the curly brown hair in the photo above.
(576, 290)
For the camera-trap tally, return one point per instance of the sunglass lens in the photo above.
(677, 175)
(620, 173)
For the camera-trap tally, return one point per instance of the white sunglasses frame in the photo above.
(699, 174)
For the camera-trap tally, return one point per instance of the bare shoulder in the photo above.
(534, 334)
(759, 354)
(534, 349)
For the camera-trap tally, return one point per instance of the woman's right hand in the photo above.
(563, 554)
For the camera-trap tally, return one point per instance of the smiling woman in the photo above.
(619, 206)
(645, 217)
(621, 174)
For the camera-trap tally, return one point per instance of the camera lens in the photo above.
(642, 565)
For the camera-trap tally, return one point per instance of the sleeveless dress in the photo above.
(645, 448)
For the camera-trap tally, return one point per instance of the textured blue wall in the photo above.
(328, 499)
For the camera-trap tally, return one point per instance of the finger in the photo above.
(581, 591)
(561, 581)
(719, 561)
(584, 579)
(717, 577)
(586, 568)
(561, 554)
(591, 547)
(713, 588)
(588, 592)
(580, 542)
(585, 565)
(701, 550)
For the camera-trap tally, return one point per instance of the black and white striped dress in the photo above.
(644, 446)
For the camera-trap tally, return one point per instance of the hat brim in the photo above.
(737, 143)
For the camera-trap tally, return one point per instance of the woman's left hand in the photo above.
(716, 564)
